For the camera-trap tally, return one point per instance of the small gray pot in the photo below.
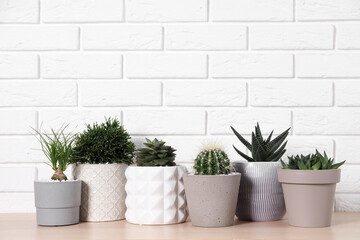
(212, 199)
(261, 196)
(57, 203)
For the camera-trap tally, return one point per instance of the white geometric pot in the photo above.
(155, 195)
(103, 191)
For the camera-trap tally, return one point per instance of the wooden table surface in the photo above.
(345, 226)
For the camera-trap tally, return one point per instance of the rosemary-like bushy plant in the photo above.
(311, 162)
(58, 148)
(107, 142)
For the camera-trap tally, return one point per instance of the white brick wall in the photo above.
(183, 71)
(247, 65)
(122, 38)
(288, 36)
(168, 65)
(206, 37)
(19, 11)
(82, 11)
(39, 38)
(10, 65)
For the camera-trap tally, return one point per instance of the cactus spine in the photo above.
(212, 162)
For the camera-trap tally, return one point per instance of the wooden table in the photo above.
(345, 226)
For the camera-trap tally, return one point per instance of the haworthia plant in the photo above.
(156, 153)
(311, 162)
(263, 150)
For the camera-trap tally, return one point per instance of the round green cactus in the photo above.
(212, 162)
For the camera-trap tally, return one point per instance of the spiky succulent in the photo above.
(212, 162)
(311, 162)
(156, 153)
(263, 150)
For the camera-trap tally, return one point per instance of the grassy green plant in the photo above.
(311, 162)
(57, 147)
(107, 142)
(263, 150)
(156, 153)
(212, 162)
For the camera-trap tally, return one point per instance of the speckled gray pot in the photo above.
(57, 203)
(260, 195)
(212, 199)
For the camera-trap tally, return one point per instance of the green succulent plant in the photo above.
(263, 150)
(107, 142)
(57, 147)
(311, 162)
(212, 162)
(156, 153)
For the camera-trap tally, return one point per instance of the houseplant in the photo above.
(58, 200)
(212, 191)
(260, 195)
(309, 184)
(155, 188)
(101, 155)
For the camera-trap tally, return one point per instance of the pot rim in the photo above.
(94, 164)
(150, 167)
(295, 176)
(233, 174)
(57, 182)
(246, 162)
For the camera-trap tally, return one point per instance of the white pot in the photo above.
(155, 195)
(103, 191)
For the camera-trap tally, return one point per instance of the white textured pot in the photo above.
(155, 195)
(261, 196)
(103, 191)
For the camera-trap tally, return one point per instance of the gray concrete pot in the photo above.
(309, 196)
(260, 195)
(57, 203)
(212, 199)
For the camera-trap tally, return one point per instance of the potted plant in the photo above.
(212, 191)
(309, 184)
(155, 188)
(101, 155)
(57, 200)
(260, 195)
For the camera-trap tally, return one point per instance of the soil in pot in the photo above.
(155, 195)
(212, 199)
(309, 196)
(260, 194)
(57, 203)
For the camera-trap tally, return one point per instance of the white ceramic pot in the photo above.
(155, 195)
(103, 191)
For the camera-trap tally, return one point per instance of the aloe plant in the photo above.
(57, 148)
(311, 162)
(263, 150)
